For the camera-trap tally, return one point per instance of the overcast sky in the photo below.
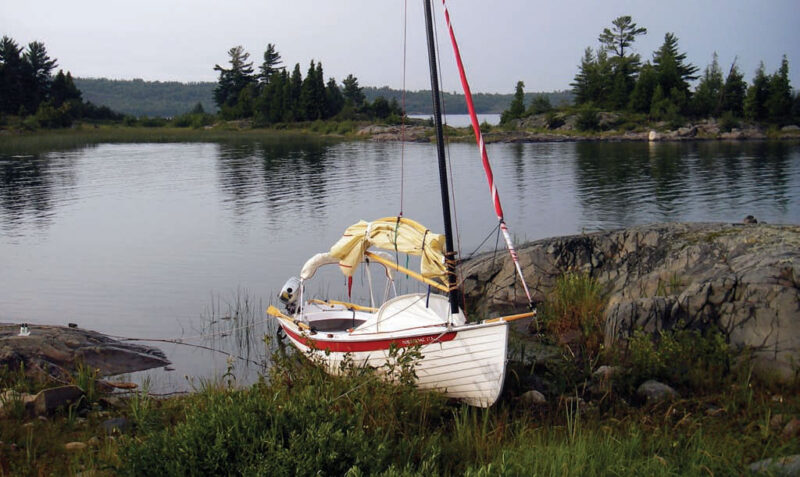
(502, 42)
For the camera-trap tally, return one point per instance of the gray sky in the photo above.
(502, 42)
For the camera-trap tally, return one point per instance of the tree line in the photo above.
(613, 77)
(273, 95)
(29, 89)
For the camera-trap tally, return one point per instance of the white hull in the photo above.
(465, 362)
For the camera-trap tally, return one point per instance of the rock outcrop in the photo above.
(57, 351)
(744, 279)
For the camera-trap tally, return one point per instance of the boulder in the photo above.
(791, 429)
(653, 391)
(75, 446)
(742, 279)
(532, 398)
(48, 400)
(780, 466)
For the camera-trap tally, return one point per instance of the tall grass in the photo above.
(573, 315)
(301, 421)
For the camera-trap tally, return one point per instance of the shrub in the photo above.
(691, 359)
(575, 307)
(728, 122)
(588, 119)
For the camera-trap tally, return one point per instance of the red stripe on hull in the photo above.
(368, 345)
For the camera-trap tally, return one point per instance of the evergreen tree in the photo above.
(755, 103)
(779, 98)
(642, 95)
(380, 108)
(270, 65)
(517, 107)
(272, 104)
(624, 66)
(294, 88)
(733, 92)
(674, 74)
(37, 70)
(334, 99)
(233, 80)
(63, 90)
(592, 83)
(353, 93)
(540, 104)
(708, 95)
(622, 36)
(312, 94)
(10, 76)
(796, 108)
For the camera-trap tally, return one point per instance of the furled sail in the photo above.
(397, 234)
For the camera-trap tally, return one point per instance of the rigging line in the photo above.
(403, 114)
(451, 183)
(193, 345)
(495, 229)
(183, 340)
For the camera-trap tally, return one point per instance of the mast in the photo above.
(485, 159)
(437, 119)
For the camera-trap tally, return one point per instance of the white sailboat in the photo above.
(463, 360)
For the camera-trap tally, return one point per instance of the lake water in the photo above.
(166, 240)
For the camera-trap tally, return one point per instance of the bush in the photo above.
(588, 119)
(51, 117)
(553, 120)
(682, 357)
(728, 122)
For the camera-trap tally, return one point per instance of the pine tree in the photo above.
(755, 103)
(294, 88)
(233, 80)
(708, 94)
(540, 104)
(779, 99)
(642, 95)
(733, 93)
(312, 94)
(270, 65)
(674, 74)
(624, 66)
(10, 76)
(353, 93)
(37, 70)
(517, 107)
(334, 99)
(63, 90)
(593, 81)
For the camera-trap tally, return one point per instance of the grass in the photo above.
(297, 420)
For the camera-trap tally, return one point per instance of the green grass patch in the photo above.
(298, 420)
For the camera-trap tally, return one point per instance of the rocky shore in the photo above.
(535, 129)
(57, 351)
(742, 278)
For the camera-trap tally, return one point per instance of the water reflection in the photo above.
(273, 174)
(621, 184)
(27, 187)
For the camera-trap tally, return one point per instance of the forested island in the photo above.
(613, 90)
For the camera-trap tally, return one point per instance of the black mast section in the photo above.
(437, 118)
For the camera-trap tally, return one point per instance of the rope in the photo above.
(182, 341)
(403, 115)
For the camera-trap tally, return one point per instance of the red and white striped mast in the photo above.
(498, 208)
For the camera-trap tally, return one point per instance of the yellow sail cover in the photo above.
(393, 234)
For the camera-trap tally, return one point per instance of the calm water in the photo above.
(162, 240)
